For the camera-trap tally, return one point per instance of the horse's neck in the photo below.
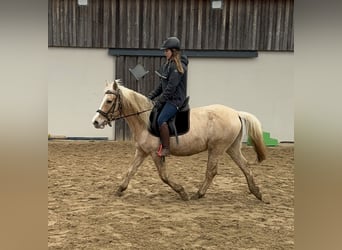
(136, 122)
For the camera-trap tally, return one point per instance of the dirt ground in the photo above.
(85, 213)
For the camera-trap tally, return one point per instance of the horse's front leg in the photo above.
(139, 157)
(161, 167)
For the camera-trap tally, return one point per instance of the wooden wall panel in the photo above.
(239, 25)
(144, 85)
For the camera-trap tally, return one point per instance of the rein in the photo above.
(137, 113)
(110, 114)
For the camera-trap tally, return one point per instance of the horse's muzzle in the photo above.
(98, 125)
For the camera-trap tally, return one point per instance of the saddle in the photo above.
(178, 125)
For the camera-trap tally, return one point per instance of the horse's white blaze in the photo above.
(98, 120)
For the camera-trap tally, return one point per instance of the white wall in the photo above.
(263, 86)
(76, 80)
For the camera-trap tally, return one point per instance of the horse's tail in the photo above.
(254, 130)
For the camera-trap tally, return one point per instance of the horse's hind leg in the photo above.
(139, 157)
(213, 156)
(161, 167)
(235, 153)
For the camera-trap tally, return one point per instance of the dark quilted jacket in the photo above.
(172, 86)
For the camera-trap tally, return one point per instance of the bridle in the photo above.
(109, 115)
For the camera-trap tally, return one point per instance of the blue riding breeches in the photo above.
(168, 111)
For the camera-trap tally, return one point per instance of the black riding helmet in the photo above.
(171, 43)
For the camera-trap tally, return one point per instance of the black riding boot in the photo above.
(165, 140)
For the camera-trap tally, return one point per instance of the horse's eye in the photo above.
(109, 101)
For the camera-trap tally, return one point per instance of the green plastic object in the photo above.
(269, 142)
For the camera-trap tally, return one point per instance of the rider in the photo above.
(171, 89)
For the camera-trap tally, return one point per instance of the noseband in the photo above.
(110, 114)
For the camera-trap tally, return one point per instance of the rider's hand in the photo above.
(150, 97)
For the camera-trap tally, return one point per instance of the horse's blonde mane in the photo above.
(132, 101)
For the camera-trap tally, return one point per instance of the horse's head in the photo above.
(111, 106)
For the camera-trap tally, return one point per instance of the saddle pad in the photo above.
(181, 123)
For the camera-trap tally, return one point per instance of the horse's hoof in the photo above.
(184, 196)
(196, 196)
(257, 194)
(119, 192)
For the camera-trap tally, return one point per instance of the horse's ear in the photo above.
(116, 84)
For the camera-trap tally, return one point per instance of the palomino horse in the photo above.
(215, 128)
